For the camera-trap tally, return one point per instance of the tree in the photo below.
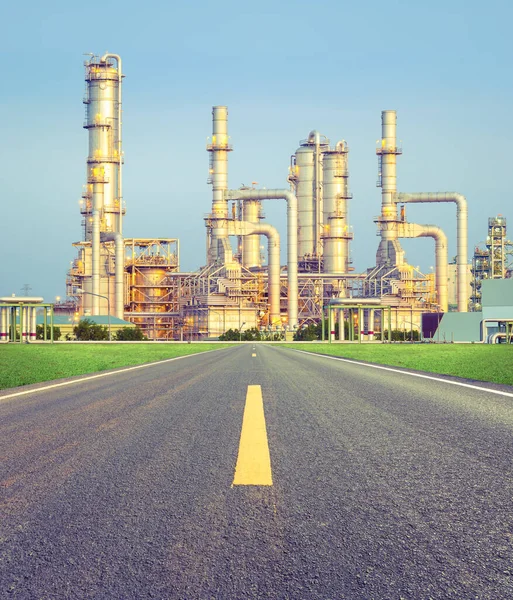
(247, 335)
(40, 329)
(130, 334)
(87, 330)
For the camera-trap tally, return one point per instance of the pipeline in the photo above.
(461, 234)
(292, 297)
(413, 230)
(244, 228)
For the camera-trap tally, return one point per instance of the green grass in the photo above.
(22, 364)
(484, 362)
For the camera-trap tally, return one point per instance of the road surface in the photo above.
(377, 485)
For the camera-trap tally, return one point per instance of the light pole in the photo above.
(240, 331)
(81, 291)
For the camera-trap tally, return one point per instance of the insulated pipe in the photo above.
(413, 230)
(292, 298)
(119, 270)
(4, 329)
(243, 228)
(315, 138)
(251, 243)
(23, 323)
(117, 58)
(33, 324)
(461, 234)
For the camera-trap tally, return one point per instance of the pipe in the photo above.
(413, 230)
(117, 58)
(314, 137)
(251, 243)
(33, 324)
(4, 329)
(244, 228)
(22, 299)
(461, 234)
(23, 323)
(119, 270)
(292, 297)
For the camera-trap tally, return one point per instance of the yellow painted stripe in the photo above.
(254, 461)
(253, 355)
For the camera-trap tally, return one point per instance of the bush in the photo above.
(249, 335)
(400, 335)
(313, 331)
(130, 334)
(87, 330)
(40, 329)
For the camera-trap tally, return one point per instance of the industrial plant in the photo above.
(139, 279)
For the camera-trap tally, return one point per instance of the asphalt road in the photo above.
(385, 486)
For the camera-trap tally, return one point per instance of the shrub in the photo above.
(40, 329)
(87, 330)
(130, 334)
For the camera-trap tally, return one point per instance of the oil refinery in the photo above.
(139, 279)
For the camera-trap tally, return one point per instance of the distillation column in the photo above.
(336, 234)
(218, 244)
(102, 208)
(389, 251)
(306, 177)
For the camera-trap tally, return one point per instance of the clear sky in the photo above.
(283, 68)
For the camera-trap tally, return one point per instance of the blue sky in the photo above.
(283, 69)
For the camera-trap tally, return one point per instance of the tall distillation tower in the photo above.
(102, 200)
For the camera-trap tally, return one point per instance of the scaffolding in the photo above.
(152, 294)
(496, 262)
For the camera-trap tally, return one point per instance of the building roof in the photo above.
(98, 319)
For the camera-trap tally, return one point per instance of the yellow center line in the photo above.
(254, 461)
(253, 355)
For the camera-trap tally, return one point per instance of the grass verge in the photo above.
(483, 362)
(22, 364)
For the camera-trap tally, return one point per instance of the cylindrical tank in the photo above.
(149, 291)
(336, 234)
(251, 243)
